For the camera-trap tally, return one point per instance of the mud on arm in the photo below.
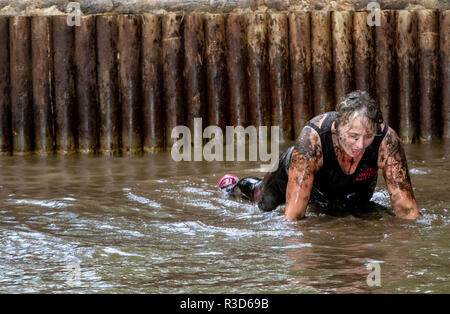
(392, 160)
(306, 160)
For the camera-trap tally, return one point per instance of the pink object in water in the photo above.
(227, 181)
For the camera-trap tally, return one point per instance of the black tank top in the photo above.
(331, 184)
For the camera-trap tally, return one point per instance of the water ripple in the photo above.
(141, 199)
(42, 203)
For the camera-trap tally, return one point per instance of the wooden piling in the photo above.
(216, 70)
(21, 84)
(41, 42)
(300, 66)
(406, 49)
(194, 68)
(257, 68)
(107, 82)
(363, 53)
(86, 84)
(104, 85)
(172, 52)
(385, 77)
(64, 101)
(5, 105)
(342, 24)
(279, 74)
(444, 26)
(129, 81)
(152, 111)
(428, 44)
(321, 44)
(236, 65)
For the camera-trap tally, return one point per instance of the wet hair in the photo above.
(361, 103)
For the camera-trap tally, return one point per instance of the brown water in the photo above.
(151, 225)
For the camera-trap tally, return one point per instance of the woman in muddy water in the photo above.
(334, 164)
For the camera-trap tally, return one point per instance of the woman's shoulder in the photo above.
(390, 145)
(308, 145)
(391, 141)
(319, 119)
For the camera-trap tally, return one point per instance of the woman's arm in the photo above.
(306, 159)
(392, 160)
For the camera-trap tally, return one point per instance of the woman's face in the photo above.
(356, 135)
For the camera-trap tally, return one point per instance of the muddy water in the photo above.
(150, 225)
